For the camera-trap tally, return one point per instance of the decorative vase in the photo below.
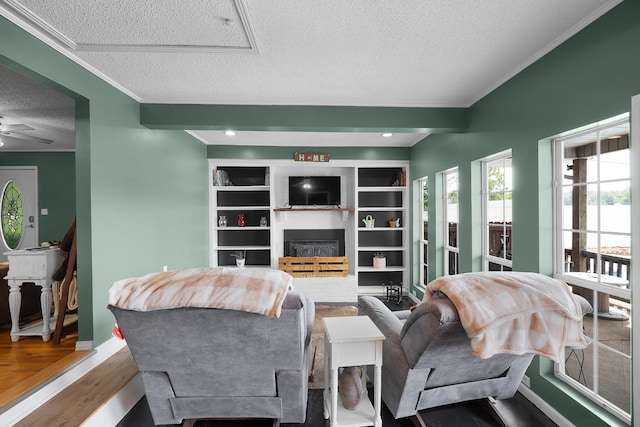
(350, 387)
(379, 262)
(222, 221)
(241, 220)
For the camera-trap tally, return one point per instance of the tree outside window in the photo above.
(497, 213)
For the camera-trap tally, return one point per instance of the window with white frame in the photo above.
(496, 213)
(450, 214)
(593, 243)
(424, 231)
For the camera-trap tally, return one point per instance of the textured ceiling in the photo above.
(48, 113)
(147, 24)
(435, 53)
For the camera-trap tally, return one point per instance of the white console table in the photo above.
(352, 341)
(32, 266)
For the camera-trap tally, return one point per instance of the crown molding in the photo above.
(39, 27)
(7, 10)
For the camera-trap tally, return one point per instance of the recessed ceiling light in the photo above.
(387, 134)
(229, 133)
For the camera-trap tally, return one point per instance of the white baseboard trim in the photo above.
(23, 408)
(414, 298)
(112, 412)
(84, 345)
(548, 410)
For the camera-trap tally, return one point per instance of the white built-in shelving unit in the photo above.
(247, 192)
(259, 189)
(382, 194)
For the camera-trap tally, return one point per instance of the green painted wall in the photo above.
(141, 195)
(589, 78)
(56, 189)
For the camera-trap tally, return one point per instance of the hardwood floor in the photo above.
(79, 402)
(30, 362)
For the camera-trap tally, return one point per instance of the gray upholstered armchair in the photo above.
(428, 360)
(204, 363)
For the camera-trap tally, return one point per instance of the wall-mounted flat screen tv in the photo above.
(314, 191)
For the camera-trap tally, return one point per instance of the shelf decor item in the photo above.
(350, 387)
(379, 260)
(263, 221)
(241, 220)
(369, 221)
(220, 178)
(240, 258)
(222, 221)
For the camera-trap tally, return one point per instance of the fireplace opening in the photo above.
(308, 243)
(299, 248)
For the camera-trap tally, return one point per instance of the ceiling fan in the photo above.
(8, 131)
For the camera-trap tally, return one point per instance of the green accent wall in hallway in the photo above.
(56, 189)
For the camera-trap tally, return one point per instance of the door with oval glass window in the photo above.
(18, 208)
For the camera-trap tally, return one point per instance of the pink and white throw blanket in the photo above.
(255, 290)
(513, 312)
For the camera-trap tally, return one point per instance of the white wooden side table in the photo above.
(352, 341)
(32, 266)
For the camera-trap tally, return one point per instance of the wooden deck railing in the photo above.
(610, 265)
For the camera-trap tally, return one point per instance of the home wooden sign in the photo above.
(310, 157)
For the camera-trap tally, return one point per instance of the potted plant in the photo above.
(239, 256)
(379, 260)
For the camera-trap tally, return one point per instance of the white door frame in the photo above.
(635, 249)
